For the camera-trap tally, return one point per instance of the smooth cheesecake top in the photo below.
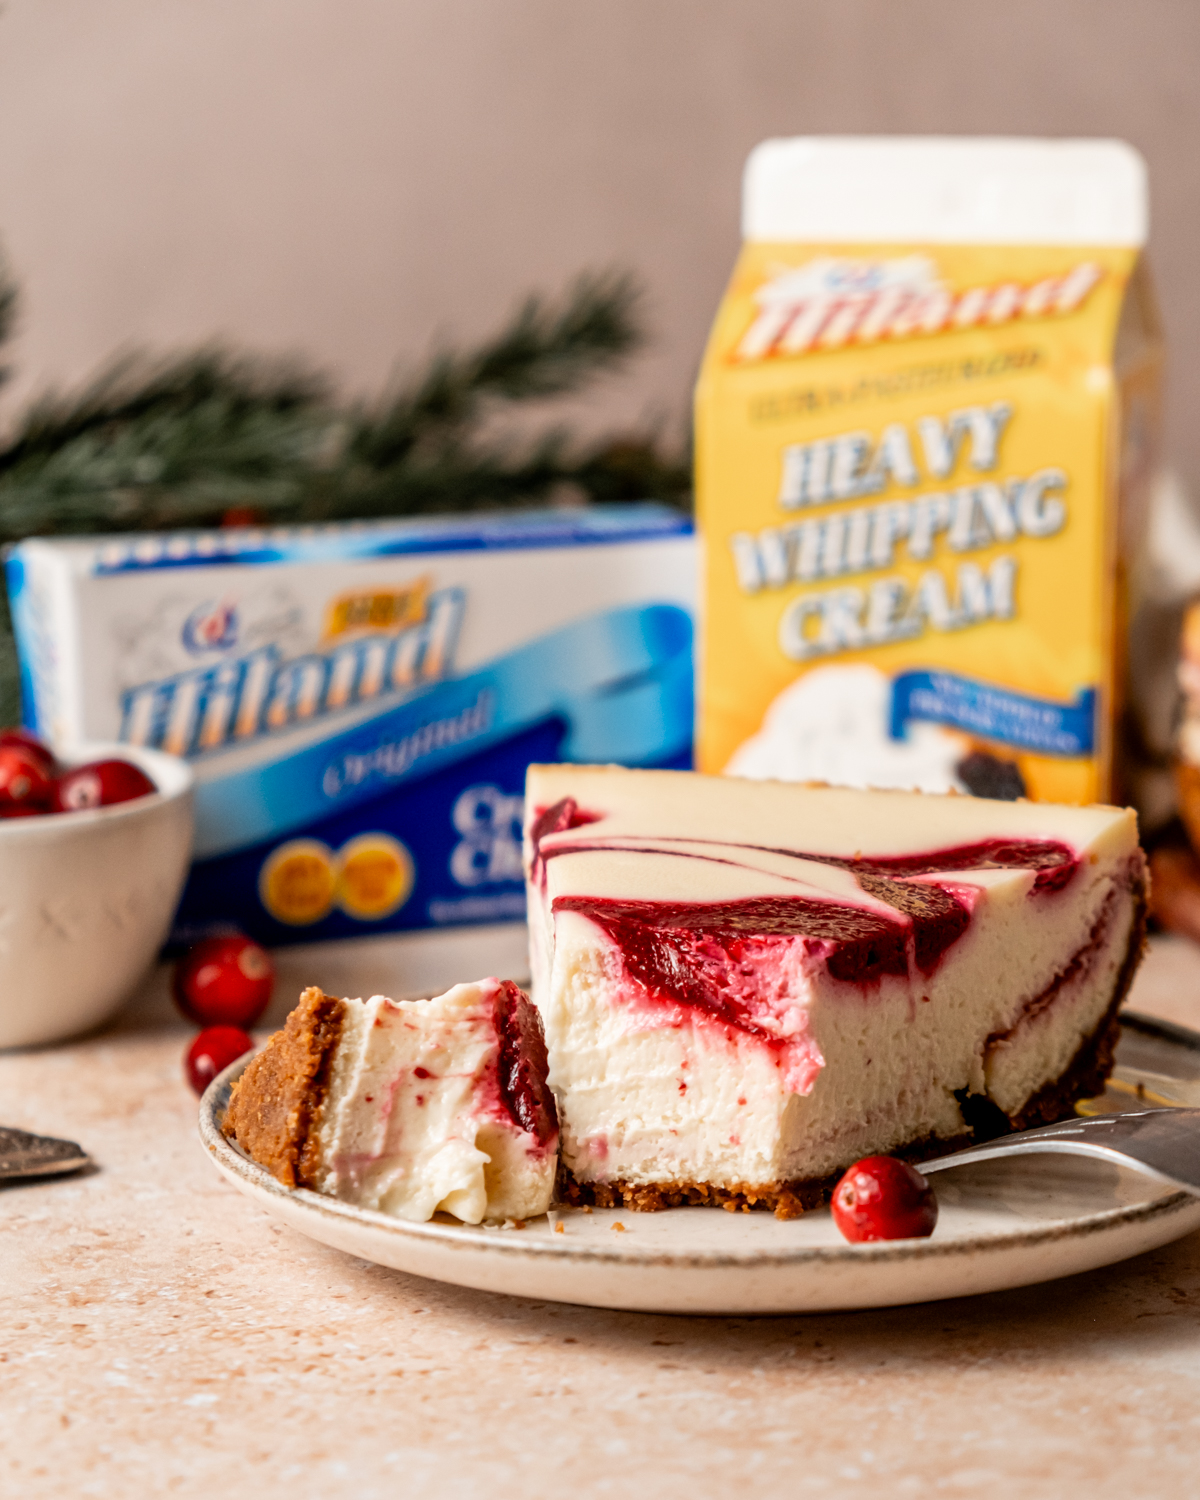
(817, 820)
(883, 882)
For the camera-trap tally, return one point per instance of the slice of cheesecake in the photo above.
(407, 1107)
(746, 986)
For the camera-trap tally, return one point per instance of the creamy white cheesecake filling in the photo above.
(817, 1070)
(414, 1121)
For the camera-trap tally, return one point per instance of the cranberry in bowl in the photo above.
(88, 891)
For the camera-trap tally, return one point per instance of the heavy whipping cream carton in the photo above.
(360, 702)
(926, 431)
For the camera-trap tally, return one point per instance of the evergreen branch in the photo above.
(134, 389)
(548, 351)
(626, 469)
(8, 316)
(168, 445)
(545, 351)
(150, 446)
(636, 467)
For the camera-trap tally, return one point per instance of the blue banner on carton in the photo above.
(996, 713)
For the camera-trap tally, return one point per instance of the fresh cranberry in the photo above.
(24, 780)
(212, 1052)
(30, 742)
(37, 811)
(224, 981)
(101, 783)
(881, 1198)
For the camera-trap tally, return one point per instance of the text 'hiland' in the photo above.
(244, 697)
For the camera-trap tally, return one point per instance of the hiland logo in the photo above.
(240, 699)
(211, 627)
(831, 303)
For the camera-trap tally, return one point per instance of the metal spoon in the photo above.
(26, 1155)
(1162, 1143)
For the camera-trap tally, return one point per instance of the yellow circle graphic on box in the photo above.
(298, 883)
(375, 878)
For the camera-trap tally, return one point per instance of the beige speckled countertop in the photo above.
(159, 1335)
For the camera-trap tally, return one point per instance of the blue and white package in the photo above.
(360, 701)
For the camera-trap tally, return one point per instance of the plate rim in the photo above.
(234, 1163)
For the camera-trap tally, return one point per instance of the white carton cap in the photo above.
(991, 190)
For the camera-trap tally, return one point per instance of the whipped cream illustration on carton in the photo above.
(926, 429)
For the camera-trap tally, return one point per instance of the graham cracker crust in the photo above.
(787, 1200)
(275, 1102)
(1085, 1077)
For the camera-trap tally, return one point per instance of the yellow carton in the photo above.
(926, 430)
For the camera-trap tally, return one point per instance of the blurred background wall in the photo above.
(354, 178)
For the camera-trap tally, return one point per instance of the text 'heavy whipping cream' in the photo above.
(926, 429)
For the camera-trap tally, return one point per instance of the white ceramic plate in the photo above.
(1002, 1224)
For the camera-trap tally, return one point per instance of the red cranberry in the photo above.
(881, 1198)
(30, 742)
(224, 981)
(24, 780)
(101, 783)
(212, 1052)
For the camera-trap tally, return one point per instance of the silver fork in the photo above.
(1161, 1143)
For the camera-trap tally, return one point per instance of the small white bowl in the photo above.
(86, 900)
